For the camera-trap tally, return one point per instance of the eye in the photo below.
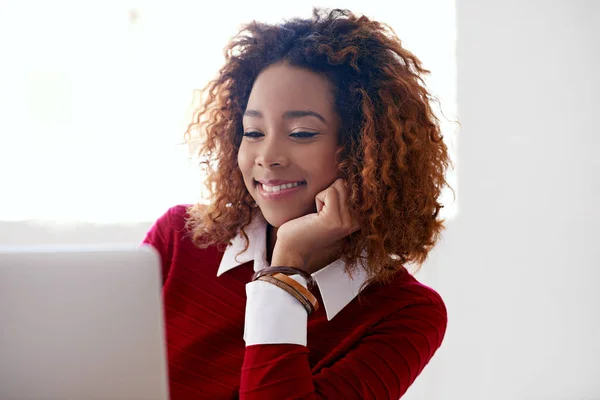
(304, 135)
(253, 134)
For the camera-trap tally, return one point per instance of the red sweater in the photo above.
(373, 349)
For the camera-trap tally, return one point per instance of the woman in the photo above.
(291, 283)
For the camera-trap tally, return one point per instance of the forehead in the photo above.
(281, 87)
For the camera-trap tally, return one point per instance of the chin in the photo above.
(276, 219)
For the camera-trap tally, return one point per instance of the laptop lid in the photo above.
(81, 323)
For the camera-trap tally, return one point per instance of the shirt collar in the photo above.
(337, 288)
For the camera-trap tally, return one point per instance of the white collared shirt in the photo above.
(272, 315)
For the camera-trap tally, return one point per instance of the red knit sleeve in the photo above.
(160, 236)
(381, 365)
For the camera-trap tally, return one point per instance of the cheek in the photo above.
(327, 162)
(322, 168)
(244, 162)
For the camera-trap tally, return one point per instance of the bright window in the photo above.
(94, 96)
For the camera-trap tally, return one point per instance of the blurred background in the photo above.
(95, 95)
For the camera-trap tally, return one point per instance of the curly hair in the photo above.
(393, 158)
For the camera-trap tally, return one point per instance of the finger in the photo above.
(320, 202)
(340, 187)
(348, 220)
(329, 198)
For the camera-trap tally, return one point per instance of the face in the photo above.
(288, 152)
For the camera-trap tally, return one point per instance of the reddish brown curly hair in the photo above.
(393, 158)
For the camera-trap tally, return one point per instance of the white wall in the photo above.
(518, 266)
(34, 233)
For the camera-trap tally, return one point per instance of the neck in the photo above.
(271, 240)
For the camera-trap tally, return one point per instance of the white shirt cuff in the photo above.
(274, 316)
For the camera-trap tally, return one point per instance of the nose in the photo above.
(271, 153)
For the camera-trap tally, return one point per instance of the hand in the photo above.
(301, 238)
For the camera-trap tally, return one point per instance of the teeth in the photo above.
(275, 189)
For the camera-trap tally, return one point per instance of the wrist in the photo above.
(288, 258)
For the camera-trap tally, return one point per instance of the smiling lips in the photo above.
(277, 188)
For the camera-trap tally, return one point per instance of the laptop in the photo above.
(81, 323)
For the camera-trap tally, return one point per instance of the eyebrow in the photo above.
(292, 114)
